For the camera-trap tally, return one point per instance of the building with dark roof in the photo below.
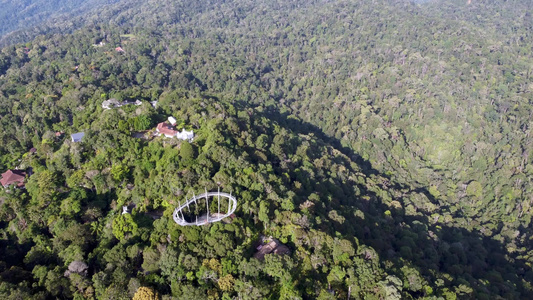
(270, 245)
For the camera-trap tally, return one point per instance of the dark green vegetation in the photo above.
(387, 144)
(20, 19)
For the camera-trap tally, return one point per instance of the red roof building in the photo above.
(13, 177)
(166, 129)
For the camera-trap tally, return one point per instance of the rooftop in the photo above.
(270, 245)
(76, 137)
(13, 177)
(166, 129)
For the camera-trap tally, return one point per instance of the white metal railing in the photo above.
(208, 217)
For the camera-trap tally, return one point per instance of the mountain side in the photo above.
(18, 16)
(385, 144)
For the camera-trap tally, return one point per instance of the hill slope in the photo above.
(386, 144)
(20, 15)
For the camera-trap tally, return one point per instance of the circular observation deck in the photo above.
(198, 209)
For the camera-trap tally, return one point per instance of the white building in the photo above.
(167, 128)
(172, 121)
(111, 103)
(185, 135)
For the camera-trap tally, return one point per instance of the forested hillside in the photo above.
(21, 19)
(386, 144)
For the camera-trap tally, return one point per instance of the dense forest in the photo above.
(22, 19)
(385, 143)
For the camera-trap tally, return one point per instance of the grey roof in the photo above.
(76, 137)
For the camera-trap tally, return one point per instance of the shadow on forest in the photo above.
(444, 255)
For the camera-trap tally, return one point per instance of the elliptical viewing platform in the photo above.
(198, 211)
